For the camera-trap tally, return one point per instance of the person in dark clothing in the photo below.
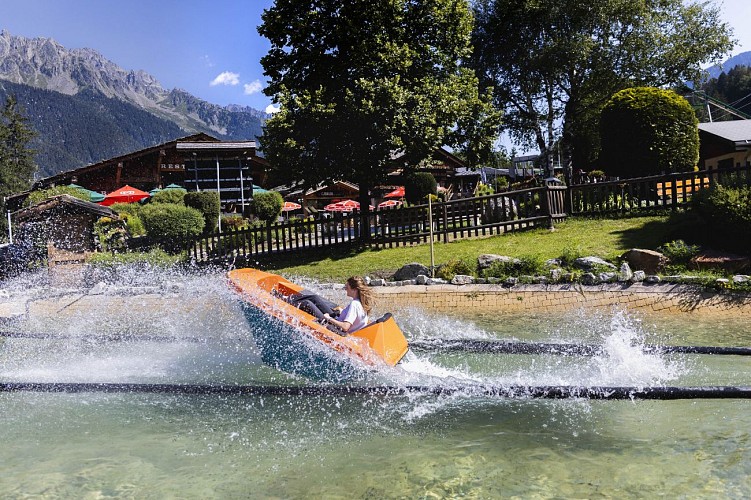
(314, 304)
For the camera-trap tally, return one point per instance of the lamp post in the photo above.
(219, 193)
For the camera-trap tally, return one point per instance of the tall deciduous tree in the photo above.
(364, 81)
(554, 63)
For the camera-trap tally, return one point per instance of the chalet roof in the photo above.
(201, 137)
(64, 203)
(488, 171)
(735, 131)
(225, 145)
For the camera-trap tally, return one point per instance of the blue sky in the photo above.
(211, 49)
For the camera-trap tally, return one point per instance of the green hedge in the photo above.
(268, 206)
(206, 202)
(169, 196)
(171, 223)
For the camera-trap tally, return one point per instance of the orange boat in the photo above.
(292, 340)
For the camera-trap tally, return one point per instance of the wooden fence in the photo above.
(456, 219)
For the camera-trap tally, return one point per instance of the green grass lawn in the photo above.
(606, 238)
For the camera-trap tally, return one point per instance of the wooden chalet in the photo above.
(196, 162)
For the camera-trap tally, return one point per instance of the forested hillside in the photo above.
(76, 130)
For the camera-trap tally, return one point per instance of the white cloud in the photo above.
(226, 78)
(253, 87)
(270, 109)
(207, 61)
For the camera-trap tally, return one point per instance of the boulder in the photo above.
(625, 273)
(648, 261)
(462, 279)
(730, 263)
(638, 276)
(589, 263)
(411, 271)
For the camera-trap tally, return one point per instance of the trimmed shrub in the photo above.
(129, 213)
(648, 131)
(417, 187)
(169, 196)
(171, 223)
(268, 206)
(206, 202)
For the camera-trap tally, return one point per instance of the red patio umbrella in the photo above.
(126, 194)
(390, 204)
(335, 207)
(396, 193)
(290, 206)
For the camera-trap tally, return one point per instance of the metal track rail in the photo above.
(514, 392)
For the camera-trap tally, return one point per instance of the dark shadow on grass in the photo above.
(678, 226)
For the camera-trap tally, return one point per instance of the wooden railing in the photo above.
(457, 219)
(645, 194)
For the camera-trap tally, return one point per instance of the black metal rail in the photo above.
(514, 391)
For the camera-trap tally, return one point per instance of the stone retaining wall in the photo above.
(662, 298)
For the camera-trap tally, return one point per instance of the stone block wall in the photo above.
(661, 298)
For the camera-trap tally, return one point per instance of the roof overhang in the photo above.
(239, 146)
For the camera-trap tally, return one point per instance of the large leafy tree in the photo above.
(554, 63)
(362, 82)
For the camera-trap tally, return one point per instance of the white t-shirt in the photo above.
(355, 315)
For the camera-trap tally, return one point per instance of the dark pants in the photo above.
(313, 303)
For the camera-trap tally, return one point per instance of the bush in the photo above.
(727, 211)
(171, 223)
(37, 196)
(678, 252)
(169, 196)
(417, 187)
(268, 206)
(233, 222)
(111, 233)
(569, 255)
(206, 202)
(525, 266)
(453, 267)
(648, 131)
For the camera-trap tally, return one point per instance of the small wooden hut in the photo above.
(64, 224)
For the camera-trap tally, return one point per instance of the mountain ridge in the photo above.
(90, 85)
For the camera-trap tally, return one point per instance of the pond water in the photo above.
(126, 445)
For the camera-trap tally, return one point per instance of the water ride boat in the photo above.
(292, 340)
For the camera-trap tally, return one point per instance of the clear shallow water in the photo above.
(365, 446)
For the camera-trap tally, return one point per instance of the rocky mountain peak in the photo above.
(44, 63)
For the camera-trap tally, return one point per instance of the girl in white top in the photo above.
(355, 315)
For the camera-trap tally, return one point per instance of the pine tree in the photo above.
(17, 165)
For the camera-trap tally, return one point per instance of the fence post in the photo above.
(547, 192)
